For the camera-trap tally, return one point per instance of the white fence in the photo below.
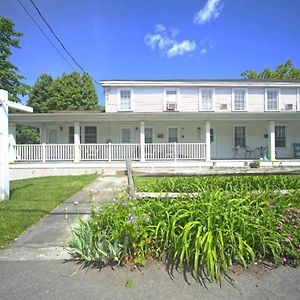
(110, 152)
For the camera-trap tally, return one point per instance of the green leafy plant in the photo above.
(203, 234)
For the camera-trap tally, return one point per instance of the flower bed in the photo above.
(203, 234)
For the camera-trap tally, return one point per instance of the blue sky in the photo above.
(142, 39)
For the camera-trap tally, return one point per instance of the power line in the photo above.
(45, 35)
(60, 42)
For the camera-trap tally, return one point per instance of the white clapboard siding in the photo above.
(151, 99)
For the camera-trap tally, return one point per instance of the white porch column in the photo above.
(142, 140)
(43, 135)
(207, 140)
(4, 157)
(12, 142)
(77, 141)
(271, 135)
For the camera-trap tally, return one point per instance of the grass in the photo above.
(203, 234)
(31, 199)
(221, 183)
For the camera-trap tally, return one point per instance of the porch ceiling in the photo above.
(38, 118)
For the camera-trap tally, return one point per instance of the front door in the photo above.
(173, 135)
(53, 136)
(148, 135)
(125, 136)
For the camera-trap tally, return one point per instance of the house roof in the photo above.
(202, 82)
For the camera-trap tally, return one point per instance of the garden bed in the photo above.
(204, 234)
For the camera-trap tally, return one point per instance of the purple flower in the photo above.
(285, 259)
(131, 218)
(278, 228)
(289, 239)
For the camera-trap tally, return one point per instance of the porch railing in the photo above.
(110, 152)
(175, 151)
(45, 152)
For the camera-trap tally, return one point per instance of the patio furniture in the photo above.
(249, 152)
(296, 147)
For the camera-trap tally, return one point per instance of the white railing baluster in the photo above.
(111, 152)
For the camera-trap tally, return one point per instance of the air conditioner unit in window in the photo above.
(223, 106)
(171, 106)
(288, 106)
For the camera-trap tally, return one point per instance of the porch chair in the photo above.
(296, 147)
(249, 152)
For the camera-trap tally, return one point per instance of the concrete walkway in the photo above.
(34, 267)
(47, 239)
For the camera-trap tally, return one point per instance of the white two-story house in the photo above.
(172, 120)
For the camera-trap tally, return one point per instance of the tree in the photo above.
(41, 93)
(9, 73)
(68, 92)
(285, 71)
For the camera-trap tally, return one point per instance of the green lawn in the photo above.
(31, 199)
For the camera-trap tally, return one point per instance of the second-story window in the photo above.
(239, 99)
(206, 99)
(125, 100)
(272, 100)
(171, 99)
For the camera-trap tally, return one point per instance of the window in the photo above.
(173, 135)
(125, 135)
(71, 135)
(212, 136)
(148, 135)
(272, 100)
(171, 99)
(125, 100)
(206, 99)
(239, 136)
(280, 137)
(239, 99)
(90, 134)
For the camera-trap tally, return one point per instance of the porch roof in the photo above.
(92, 116)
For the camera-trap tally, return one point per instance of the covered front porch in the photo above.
(108, 137)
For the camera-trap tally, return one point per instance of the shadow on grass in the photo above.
(21, 187)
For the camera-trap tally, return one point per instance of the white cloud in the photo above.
(181, 48)
(210, 11)
(203, 51)
(166, 42)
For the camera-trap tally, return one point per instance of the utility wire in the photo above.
(60, 42)
(45, 35)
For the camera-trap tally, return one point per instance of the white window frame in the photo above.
(131, 99)
(266, 99)
(165, 97)
(83, 132)
(233, 99)
(201, 99)
(286, 135)
(233, 135)
(298, 100)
